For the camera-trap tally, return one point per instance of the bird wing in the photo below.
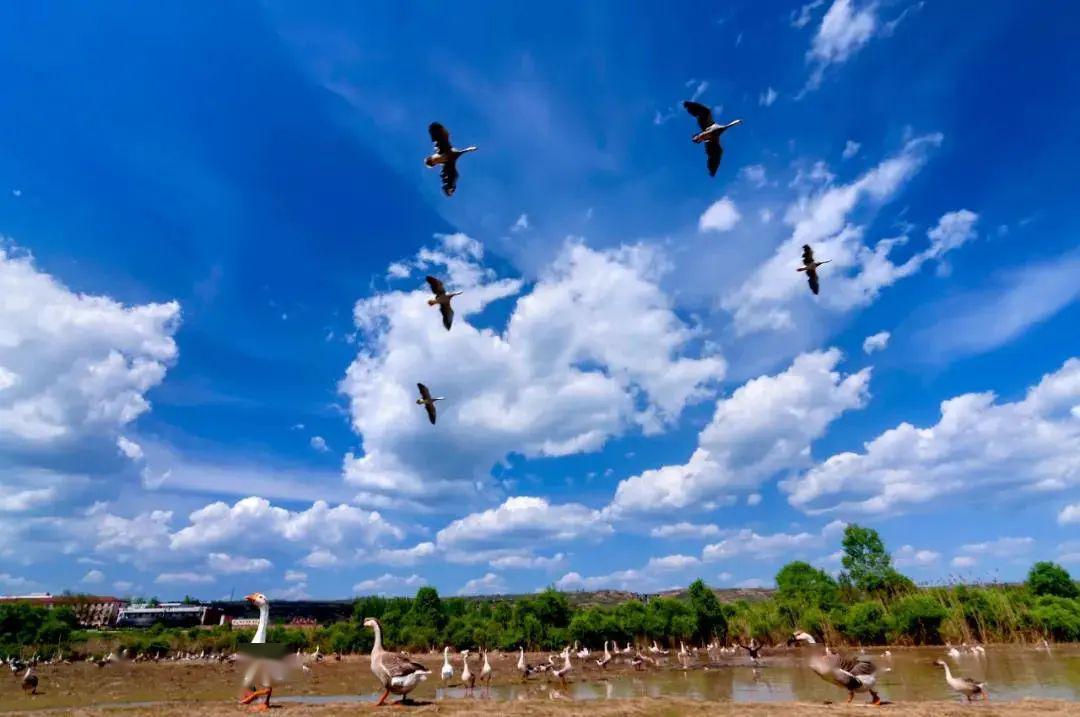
(700, 112)
(859, 667)
(807, 254)
(811, 276)
(447, 315)
(437, 287)
(430, 408)
(449, 177)
(714, 152)
(424, 392)
(441, 137)
(399, 665)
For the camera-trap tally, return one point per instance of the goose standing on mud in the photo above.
(964, 685)
(428, 401)
(485, 673)
(396, 673)
(447, 668)
(709, 134)
(563, 671)
(854, 674)
(260, 677)
(603, 661)
(442, 300)
(447, 155)
(523, 667)
(467, 677)
(30, 681)
(810, 267)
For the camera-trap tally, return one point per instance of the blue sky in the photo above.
(216, 225)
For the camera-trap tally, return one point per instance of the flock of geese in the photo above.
(446, 156)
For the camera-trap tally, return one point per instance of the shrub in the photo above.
(1048, 578)
(919, 618)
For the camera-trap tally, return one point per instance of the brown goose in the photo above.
(442, 300)
(709, 134)
(854, 674)
(446, 155)
(810, 267)
(428, 401)
(396, 673)
(30, 681)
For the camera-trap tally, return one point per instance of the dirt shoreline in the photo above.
(638, 707)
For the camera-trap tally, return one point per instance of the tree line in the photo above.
(869, 602)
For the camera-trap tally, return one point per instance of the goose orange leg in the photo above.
(382, 700)
(850, 697)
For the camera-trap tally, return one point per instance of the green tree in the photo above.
(919, 618)
(868, 565)
(709, 615)
(865, 622)
(1046, 578)
(426, 609)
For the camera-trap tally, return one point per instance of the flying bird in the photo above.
(446, 155)
(753, 649)
(810, 267)
(442, 300)
(428, 401)
(709, 134)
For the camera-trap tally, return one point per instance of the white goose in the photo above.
(485, 672)
(447, 668)
(523, 667)
(260, 677)
(964, 685)
(603, 662)
(467, 677)
(563, 671)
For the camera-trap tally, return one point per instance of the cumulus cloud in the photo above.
(94, 577)
(233, 564)
(18, 501)
(570, 370)
(851, 148)
(295, 576)
(11, 581)
(254, 520)
(755, 174)
(721, 216)
(528, 562)
(750, 543)
(524, 520)
(319, 444)
(768, 97)
(1069, 514)
(649, 577)
(763, 429)
(489, 584)
(184, 578)
(857, 272)
(521, 224)
(978, 444)
(685, 530)
(876, 342)
(74, 366)
(390, 584)
(1000, 547)
(963, 561)
(908, 557)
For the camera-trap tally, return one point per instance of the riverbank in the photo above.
(640, 707)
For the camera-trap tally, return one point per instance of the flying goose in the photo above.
(447, 668)
(753, 649)
(810, 267)
(964, 685)
(709, 134)
(854, 674)
(428, 401)
(442, 300)
(446, 155)
(396, 673)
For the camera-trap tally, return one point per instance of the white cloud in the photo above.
(255, 521)
(756, 175)
(295, 576)
(1069, 514)
(979, 444)
(963, 561)
(320, 558)
(753, 583)
(877, 342)
(851, 148)
(856, 273)
(319, 444)
(524, 521)
(570, 370)
(18, 501)
(844, 30)
(181, 578)
(129, 448)
(396, 270)
(75, 367)
(489, 584)
(528, 562)
(753, 499)
(233, 564)
(521, 224)
(748, 542)
(768, 97)
(1001, 547)
(672, 562)
(801, 18)
(390, 584)
(685, 530)
(765, 216)
(721, 216)
(764, 428)
(123, 586)
(11, 581)
(982, 320)
(94, 577)
(908, 556)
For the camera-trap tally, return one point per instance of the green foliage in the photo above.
(1048, 578)
(865, 623)
(1057, 617)
(25, 624)
(918, 618)
(710, 616)
(869, 567)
